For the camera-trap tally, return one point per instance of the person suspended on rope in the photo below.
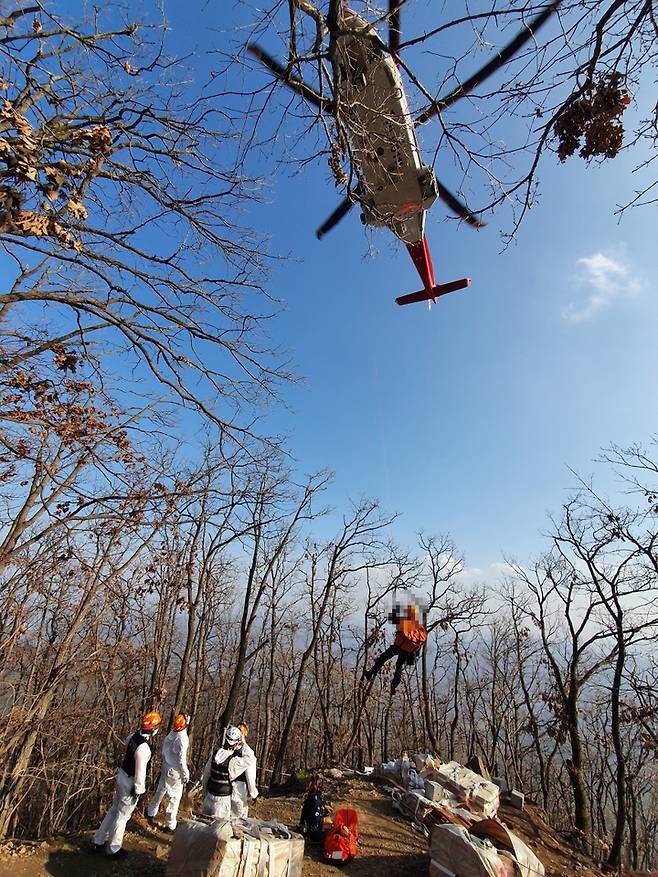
(410, 638)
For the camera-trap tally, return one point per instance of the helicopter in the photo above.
(394, 189)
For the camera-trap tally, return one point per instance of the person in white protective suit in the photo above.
(244, 786)
(220, 774)
(174, 774)
(130, 783)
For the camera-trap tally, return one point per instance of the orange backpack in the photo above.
(340, 842)
(411, 636)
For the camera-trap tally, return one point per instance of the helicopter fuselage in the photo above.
(395, 187)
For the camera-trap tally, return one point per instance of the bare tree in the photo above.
(275, 513)
(118, 205)
(450, 607)
(565, 613)
(113, 552)
(330, 569)
(616, 547)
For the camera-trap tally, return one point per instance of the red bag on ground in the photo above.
(340, 842)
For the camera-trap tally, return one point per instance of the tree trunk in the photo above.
(614, 857)
(277, 768)
(455, 701)
(427, 707)
(576, 766)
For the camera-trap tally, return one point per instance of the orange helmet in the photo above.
(181, 722)
(151, 721)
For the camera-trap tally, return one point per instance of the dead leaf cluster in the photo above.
(593, 120)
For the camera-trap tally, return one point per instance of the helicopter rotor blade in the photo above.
(491, 67)
(284, 75)
(458, 207)
(394, 26)
(343, 208)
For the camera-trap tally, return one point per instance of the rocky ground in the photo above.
(388, 846)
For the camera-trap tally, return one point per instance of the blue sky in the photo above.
(467, 418)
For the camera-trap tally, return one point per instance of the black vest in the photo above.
(128, 763)
(219, 783)
(311, 820)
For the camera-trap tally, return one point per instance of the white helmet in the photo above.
(232, 736)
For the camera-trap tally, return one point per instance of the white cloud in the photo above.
(474, 575)
(502, 568)
(602, 279)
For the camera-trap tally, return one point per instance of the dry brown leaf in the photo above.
(100, 139)
(22, 125)
(54, 175)
(77, 208)
(30, 222)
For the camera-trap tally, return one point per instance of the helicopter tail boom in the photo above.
(433, 293)
(420, 255)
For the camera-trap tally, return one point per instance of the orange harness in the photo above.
(411, 636)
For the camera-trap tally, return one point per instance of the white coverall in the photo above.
(126, 796)
(235, 804)
(173, 775)
(241, 790)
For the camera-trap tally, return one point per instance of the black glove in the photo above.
(394, 616)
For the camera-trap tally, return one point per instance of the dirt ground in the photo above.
(388, 846)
